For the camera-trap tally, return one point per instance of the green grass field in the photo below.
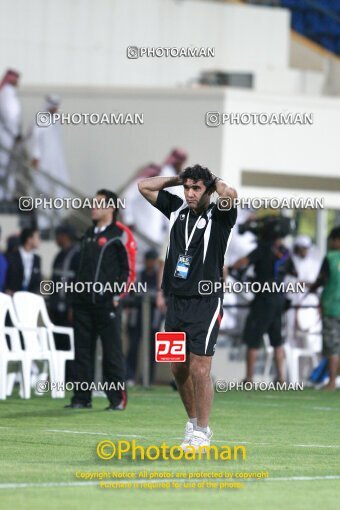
(291, 435)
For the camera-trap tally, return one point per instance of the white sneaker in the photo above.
(201, 439)
(188, 433)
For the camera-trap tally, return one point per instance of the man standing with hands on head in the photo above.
(199, 232)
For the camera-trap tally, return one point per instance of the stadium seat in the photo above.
(29, 308)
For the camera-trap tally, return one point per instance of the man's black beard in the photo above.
(201, 208)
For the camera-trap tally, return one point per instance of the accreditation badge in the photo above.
(182, 266)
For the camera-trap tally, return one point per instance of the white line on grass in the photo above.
(281, 395)
(96, 483)
(301, 478)
(305, 408)
(45, 484)
(326, 408)
(90, 433)
(224, 441)
(275, 444)
(316, 445)
(279, 444)
(108, 434)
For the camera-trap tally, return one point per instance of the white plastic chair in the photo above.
(11, 352)
(308, 330)
(29, 307)
(269, 350)
(32, 351)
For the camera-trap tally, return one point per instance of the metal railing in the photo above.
(24, 175)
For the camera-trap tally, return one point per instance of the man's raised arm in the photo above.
(150, 187)
(223, 189)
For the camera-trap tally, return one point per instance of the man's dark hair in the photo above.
(67, 230)
(112, 197)
(26, 233)
(151, 255)
(335, 233)
(13, 243)
(109, 195)
(198, 173)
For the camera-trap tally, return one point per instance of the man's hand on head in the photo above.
(214, 185)
(150, 186)
(223, 189)
(180, 181)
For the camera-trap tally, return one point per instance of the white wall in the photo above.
(83, 42)
(106, 156)
(305, 55)
(311, 150)
(289, 81)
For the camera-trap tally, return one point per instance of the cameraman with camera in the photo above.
(271, 261)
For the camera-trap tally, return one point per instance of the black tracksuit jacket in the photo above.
(104, 259)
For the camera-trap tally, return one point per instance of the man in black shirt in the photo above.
(103, 260)
(24, 265)
(271, 261)
(199, 232)
(64, 270)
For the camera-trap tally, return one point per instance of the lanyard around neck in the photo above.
(189, 239)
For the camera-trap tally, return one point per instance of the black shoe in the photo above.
(78, 405)
(117, 407)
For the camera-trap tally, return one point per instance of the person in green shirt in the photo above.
(329, 278)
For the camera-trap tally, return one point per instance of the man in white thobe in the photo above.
(173, 165)
(47, 154)
(10, 127)
(307, 262)
(144, 220)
